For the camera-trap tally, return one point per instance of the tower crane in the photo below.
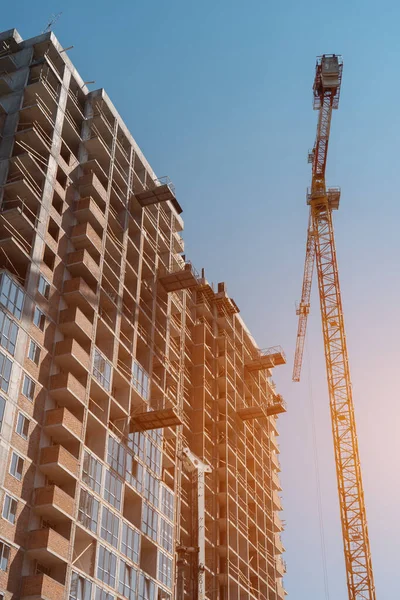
(320, 249)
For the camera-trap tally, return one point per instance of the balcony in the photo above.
(98, 149)
(18, 248)
(72, 128)
(276, 500)
(181, 279)
(39, 113)
(84, 237)
(42, 587)
(35, 137)
(280, 566)
(68, 391)
(73, 323)
(277, 522)
(53, 504)
(93, 166)
(5, 85)
(179, 244)
(87, 211)
(89, 185)
(224, 304)
(267, 358)
(276, 482)
(17, 216)
(19, 186)
(275, 461)
(274, 444)
(58, 464)
(278, 544)
(41, 87)
(47, 546)
(81, 264)
(77, 292)
(70, 356)
(8, 63)
(280, 590)
(100, 122)
(62, 426)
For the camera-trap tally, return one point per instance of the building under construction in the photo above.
(139, 454)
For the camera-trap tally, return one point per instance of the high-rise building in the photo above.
(138, 452)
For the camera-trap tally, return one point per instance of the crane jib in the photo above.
(321, 250)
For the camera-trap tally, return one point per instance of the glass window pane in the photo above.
(92, 472)
(11, 296)
(88, 512)
(5, 372)
(106, 566)
(2, 409)
(113, 490)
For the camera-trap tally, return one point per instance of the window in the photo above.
(88, 513)
(113, 490)
(80, 588)
(166, 534)
(102, 370)
(109, 527)
(92, 471)
(28, 387)
(2, 409)
(11, 295)
(127, 580)
(149, 521)
(164, 569)
(147, 588)
(136, 443)
(134, 472)
(4, 556)
(16, 466)
(153, 457)
(5, 372)
(156, 435)
(140, 380)
(44, 287)
(130, 543)
(8, 332)
(34, 352)
(22, 427)
(39, 318)
(10, 508)
(167, 503)
(103, 595)
(106, 566)
(151, 488)
(116, 455)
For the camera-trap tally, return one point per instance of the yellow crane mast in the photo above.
(321, 250)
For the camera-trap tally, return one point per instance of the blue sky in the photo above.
(218, 96)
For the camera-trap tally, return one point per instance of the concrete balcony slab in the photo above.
(58, 464)
(53, 504)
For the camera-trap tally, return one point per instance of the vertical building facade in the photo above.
(122, 371)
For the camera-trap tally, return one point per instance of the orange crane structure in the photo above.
(321, 250)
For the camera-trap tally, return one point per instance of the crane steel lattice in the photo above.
(321, 248)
